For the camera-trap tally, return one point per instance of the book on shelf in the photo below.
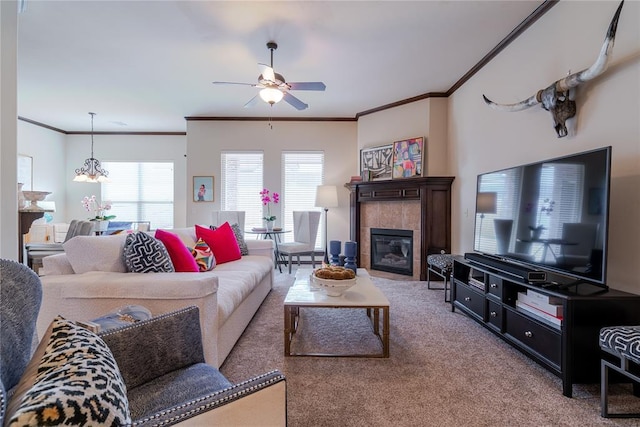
(539, 314)
(543, 297)
(549, 308)
(477, 283)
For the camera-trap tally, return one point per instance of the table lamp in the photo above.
(326, 197)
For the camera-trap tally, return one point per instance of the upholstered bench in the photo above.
(442, 265)
(622, 342)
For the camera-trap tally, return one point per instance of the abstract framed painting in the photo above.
(203, 189)
(376, 162)
(408, 158)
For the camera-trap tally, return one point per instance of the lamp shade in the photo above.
(326, 196)
(486, 202)
(271, 95)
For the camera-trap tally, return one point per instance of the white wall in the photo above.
(8, 132)
(206, 140)
(48, 150)
(568, 37)
(120, 148)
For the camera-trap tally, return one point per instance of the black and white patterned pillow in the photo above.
(146, 254)
(75, 382)
(244, 250)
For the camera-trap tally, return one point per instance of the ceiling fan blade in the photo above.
(267, 72)
(295, 102)
(251, 102)
(234, 83)
(307, 86)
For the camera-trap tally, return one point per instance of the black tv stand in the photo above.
(489, 292)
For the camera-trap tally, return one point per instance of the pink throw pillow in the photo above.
(222, 242)
(180, 255)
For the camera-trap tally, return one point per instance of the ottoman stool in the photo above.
(622, 342)
(442, 265)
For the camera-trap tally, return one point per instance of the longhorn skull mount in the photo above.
(556, 97)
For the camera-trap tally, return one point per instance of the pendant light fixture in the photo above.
(91, 171)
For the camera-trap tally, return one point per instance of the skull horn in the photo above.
(601, 63)
(572, 80)
(519, 106)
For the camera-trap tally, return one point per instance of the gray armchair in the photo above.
(160, 361)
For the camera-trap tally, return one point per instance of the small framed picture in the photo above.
(203, 189)
(408, 158)
(376, 162)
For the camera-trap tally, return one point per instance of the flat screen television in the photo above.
(550, 215)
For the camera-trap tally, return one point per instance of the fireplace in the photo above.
(392, 250)
(422, 205)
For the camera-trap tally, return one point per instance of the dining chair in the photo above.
(232, 217)
(305, 230)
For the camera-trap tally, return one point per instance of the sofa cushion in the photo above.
(236, 280)
(222, 242)
(95, 253)
(203, 256)
(146, 254)
(180, 255)
(73, 380)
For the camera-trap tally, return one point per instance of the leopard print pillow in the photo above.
(77, 382)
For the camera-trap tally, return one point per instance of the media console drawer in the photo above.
(472, 300)
(540, 339)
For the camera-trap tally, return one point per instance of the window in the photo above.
(302, 172)
(506, 185)
(140, 192)
(241, 183)
(560, 201)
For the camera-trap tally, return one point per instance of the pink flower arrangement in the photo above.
(267, 200)
(92, 204)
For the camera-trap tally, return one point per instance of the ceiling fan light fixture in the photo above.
(271, 95)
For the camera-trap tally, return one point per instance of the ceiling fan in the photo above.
(274, 88)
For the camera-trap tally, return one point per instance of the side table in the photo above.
(275, 236)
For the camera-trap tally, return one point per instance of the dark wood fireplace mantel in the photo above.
(434, 194)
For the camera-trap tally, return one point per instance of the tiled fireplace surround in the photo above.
(422, 205)
(399, 215)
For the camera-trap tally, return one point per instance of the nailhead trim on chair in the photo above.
(276, 377)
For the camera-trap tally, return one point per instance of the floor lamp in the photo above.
(326, 197)
(485, 204)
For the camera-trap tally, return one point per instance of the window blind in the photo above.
(241, 183)
(506, 185)
(302, 172)
(140, 191)
(559, 204)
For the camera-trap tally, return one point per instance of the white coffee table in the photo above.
(363, 294)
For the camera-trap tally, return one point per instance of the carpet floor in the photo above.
(444, 369)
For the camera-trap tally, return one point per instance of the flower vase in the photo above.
(535, 234)
(269, 225)
(100, 226)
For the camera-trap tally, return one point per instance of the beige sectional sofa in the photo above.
(90, 281)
